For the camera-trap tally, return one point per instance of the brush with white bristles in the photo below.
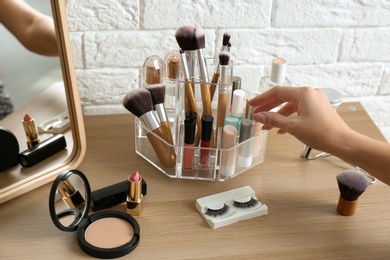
(157, 92)
(223, 92)
(139, 102)
(351, 184)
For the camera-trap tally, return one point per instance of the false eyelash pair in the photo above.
(228, 207)
(236, 204)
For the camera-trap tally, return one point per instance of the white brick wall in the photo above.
(344, 44)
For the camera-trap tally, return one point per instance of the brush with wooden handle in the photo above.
(214, 79)
(351, 184)
(157, 91)
(185, 37)
(139, 102)
(203, 73)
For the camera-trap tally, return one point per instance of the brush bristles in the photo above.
(226, 39)
(224, 57)
(352, 184)
(157, 91)
(200, 38)
(185, 37)
(138, 102)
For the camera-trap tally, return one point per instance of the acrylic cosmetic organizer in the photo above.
(212, 171)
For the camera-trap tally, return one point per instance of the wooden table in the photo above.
(301, 195)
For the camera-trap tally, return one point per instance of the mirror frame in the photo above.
(73, 103)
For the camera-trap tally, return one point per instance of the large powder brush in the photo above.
(139, 102)
(351, 184)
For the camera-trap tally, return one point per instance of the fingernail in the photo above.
(259, 117)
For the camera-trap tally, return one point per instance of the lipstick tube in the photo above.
(207, 128)
(134, 199)
(189, 139)
(71, 196)
(30, 130)
(42, 151)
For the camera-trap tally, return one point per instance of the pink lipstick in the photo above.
(134, 199)
(30, 130)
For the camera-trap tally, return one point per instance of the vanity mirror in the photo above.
(59, 101)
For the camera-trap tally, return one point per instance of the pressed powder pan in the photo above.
(104, 234)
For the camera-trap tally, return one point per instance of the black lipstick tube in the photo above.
(42, 150)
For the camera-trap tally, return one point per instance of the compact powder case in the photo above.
(104, 234)
(9, 149)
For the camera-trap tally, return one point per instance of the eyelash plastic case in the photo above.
(231, 206)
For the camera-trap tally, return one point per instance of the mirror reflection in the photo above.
(70, 200)
(33, 88)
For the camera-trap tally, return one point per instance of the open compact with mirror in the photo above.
(58, 104)
(104, 234)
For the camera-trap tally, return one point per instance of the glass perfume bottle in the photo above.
(277, 77)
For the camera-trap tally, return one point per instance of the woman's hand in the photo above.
(316, 123)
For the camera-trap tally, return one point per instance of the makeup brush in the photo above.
(214, 80)
(351, 184)
(185, 37)
(203, 73)
(223, 97)
(157, 91)
(139, 102)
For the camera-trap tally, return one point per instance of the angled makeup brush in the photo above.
(139, 102)
(223, 97)
(214, 80)
(185, 37)
(351, 184)
(157, 91)
(203, 73)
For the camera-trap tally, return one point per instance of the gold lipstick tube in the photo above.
(134, 199)
(31, 132)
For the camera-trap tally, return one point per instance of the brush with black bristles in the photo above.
(139, 102)
(203, 72)
(226, 41)
(157, 91)
(214, 80)
(223, 92)
(351, 184)
(185, 37)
